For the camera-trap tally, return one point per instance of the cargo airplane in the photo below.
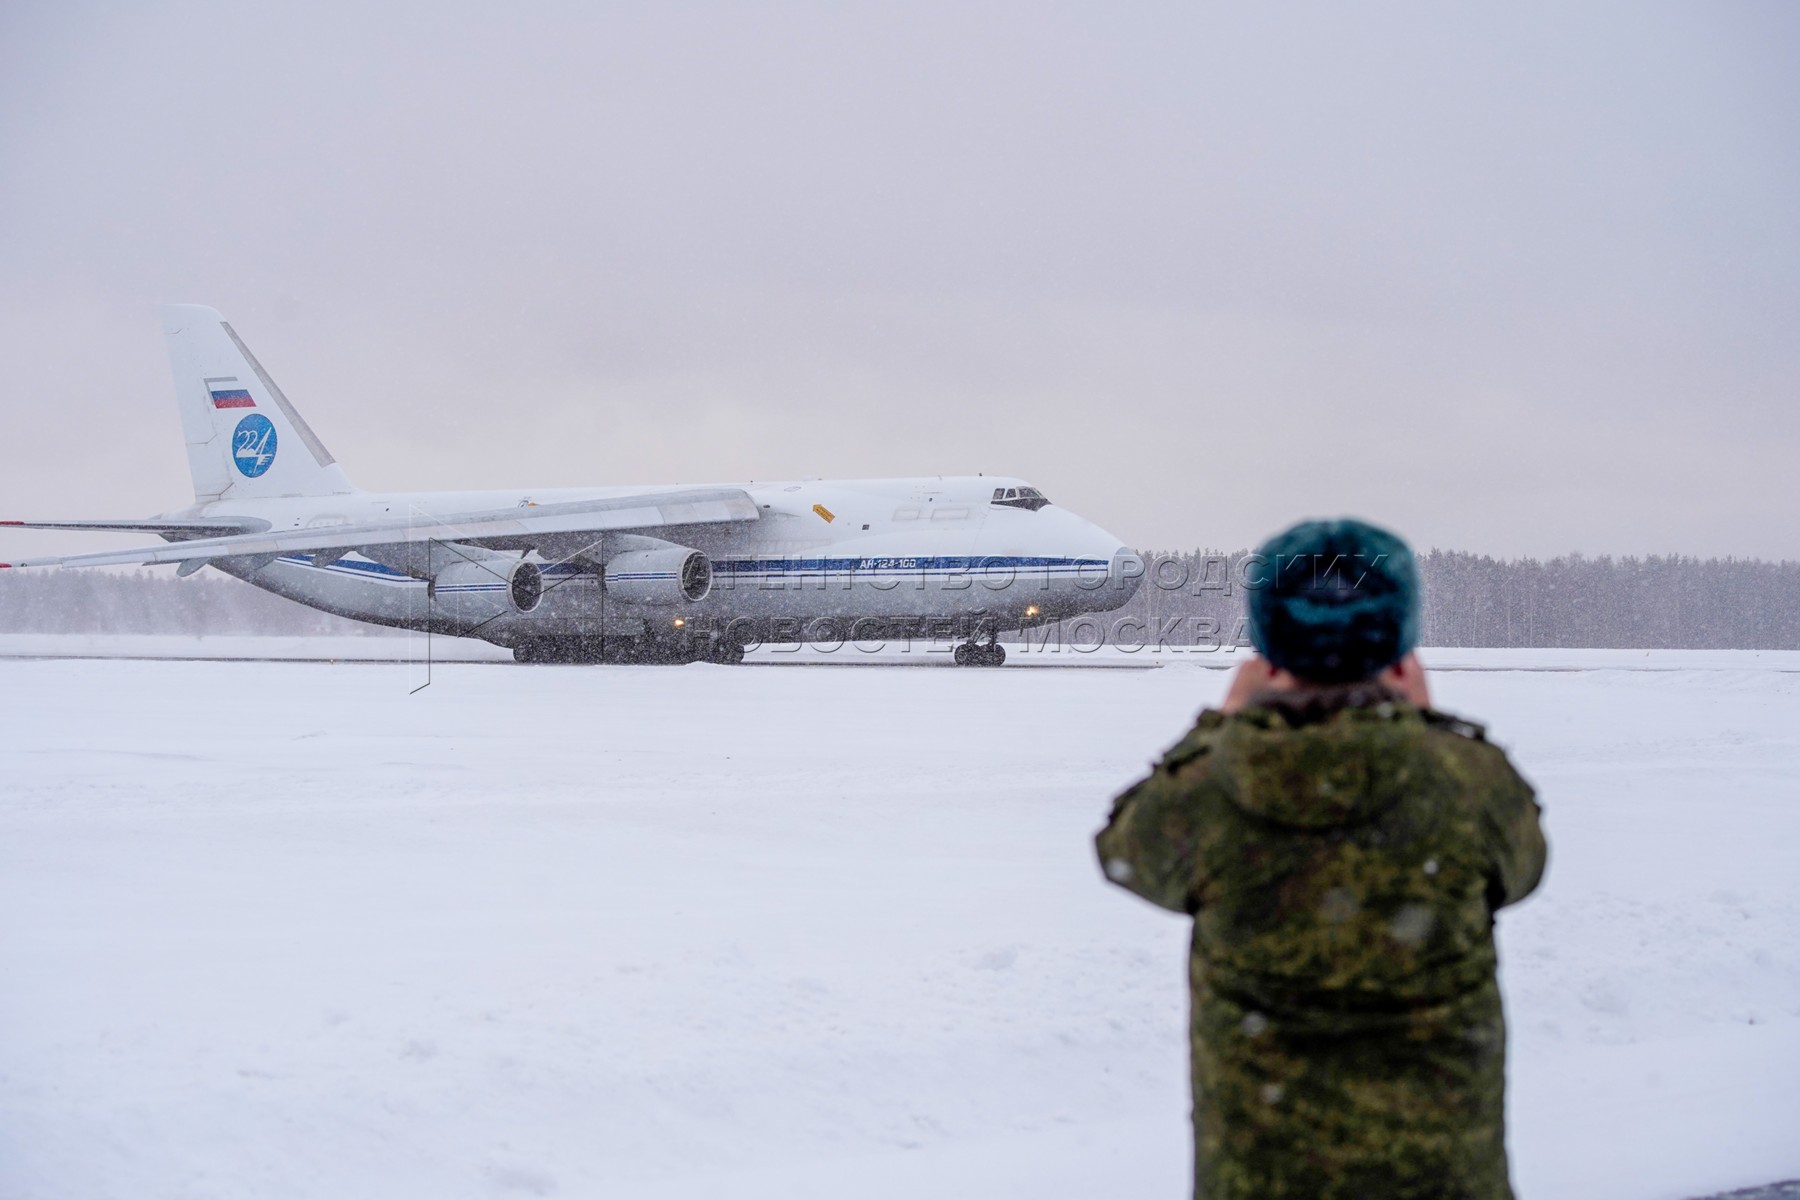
(652, 574)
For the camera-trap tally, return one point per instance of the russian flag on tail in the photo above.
(226, 393)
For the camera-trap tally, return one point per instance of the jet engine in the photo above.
(473, 591)
(651, 571)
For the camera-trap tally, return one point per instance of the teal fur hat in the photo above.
(1333, 601)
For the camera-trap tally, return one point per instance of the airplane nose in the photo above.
(1127, 571)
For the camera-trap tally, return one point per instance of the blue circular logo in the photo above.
(253, 445)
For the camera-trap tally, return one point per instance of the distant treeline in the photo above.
(96, 601)
(1661, 601)
(1667, 602)
(1657, 602)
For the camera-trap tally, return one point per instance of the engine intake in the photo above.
(669, 574)
(470, 592)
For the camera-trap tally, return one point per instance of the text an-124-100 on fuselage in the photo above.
(662, 574)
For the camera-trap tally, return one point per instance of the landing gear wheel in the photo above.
(725, 652)
(980, 654)
(557, 650)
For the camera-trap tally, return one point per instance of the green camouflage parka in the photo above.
(1342, 854)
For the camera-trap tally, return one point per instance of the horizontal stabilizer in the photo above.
(556, 529)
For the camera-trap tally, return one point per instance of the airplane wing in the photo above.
(217, 527)
(556, 528)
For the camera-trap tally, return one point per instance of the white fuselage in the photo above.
(824, 561)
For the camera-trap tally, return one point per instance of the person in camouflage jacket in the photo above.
(1342, 848)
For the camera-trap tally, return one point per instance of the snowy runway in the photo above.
(283, 930)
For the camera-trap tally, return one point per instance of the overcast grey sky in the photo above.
(1519, 279)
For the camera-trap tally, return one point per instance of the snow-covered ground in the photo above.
(283, 929)
(394, 646)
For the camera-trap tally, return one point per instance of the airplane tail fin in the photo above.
(244, 440)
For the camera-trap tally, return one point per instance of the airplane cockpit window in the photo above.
(1019, 497)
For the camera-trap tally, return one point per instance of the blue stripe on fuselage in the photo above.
(873, 565)
(984, 562)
